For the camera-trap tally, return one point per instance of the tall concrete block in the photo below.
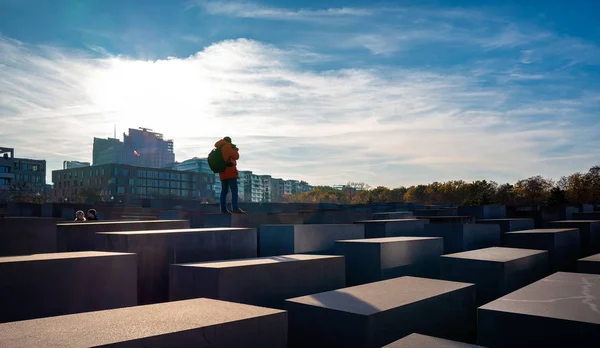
(27, 235)
(394, 215)
(590, 264)
(589, 234)
(495, 271)
(81, 236)
(464, 237)
(296, 239)
(265, 281)
(422, 341)
(374, 259)
(560, 310)
(376, 314)
(156, 250)
(393, 228)
(562, 244)
(43, 285)
(483, 211)
(192, 323)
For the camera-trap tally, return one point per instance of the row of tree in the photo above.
(576, 188)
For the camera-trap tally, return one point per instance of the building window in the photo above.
(121, 189)
(4, 169)
(125, 172)
(131, 181)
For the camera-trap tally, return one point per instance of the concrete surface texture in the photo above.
(424, 341)
(510, 224)
(191, 323)
(495, 271)
(464, 237)
(81, 236)
(294, 239)
(393, 228)
(483, 211)
(373, 259)
(393, 215)
(563, 245)
(42, 285)
(265, 281)
(560, 310)
(589, 234)
(376, 314)
(27, 235)
(157, 249)
(590, 264)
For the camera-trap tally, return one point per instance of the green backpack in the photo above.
(216, 162)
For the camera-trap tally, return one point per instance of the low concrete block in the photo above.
(81, 236)
(562, 244)
(589, 234)
(43, 285)
(156, 250)
(464, 237)
(510, 224)
(483, 211)
(265, 281)
(590, 264)
(424, 341)
(297, 239)
(27, 235)
(376, 314)
(448, 219)
(495, 271)
(374, 259)
(394, 215)
(595, 215)
(251, 220)
(192, 323)
(393, 228)
(557, 311)
(334, 217)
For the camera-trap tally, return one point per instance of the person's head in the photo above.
(92, 214)
(227, 139)
(79, 215)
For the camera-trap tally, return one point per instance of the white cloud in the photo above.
(386, 126)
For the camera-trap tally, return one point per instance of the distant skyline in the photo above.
(388, 93)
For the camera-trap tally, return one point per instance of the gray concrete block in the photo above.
(43, 285)
(156, 250)
(424, 341)
(192, 323)
(376, 314)
(334, 217)
(264, 282)
(595, 215)
(589, 234)
(81, 236)
(464, 237)
(27, 235)
(510, 224)
(296, 239)
(483, 211)
(251, 220)
(562, 244)
(448, 219)
(560, 310)
(590, 264)
(394, 215)
(495, 271)
(393, 228)
(374, 259)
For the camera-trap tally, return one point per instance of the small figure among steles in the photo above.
(92, 215)
(229, 176)
(79, 216)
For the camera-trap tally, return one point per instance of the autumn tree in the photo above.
(534, 190)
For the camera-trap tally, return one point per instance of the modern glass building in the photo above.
(200, 165)
(21, 174)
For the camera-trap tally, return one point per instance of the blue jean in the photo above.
(226, 185)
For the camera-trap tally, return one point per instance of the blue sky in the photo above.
(389, 93)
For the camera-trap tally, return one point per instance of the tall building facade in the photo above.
(141, 147)
(200, 165)
(125, 183)
(75, 164)
(21, 174)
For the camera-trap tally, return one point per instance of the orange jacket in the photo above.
(231, 155)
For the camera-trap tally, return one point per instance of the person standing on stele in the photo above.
(229, 176)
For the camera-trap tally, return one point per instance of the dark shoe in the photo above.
(239, 211)
(226, 211)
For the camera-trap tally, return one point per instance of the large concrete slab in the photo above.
(590, 264)
(251, 220)
(562, 244)
(192, 323)
(81, 236)
(376, 314)
(483, 211)
(510, 224)
(464, 237)
(393, 228)
(27, 235)
(560, 310)
(296, 239)
(424, 341)
(374, 259)
(265, 281)
(43, 285)
(394, 215)
(156, 250)
(334, 217)
(495, 271)
(589, 234)
(448, 219)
